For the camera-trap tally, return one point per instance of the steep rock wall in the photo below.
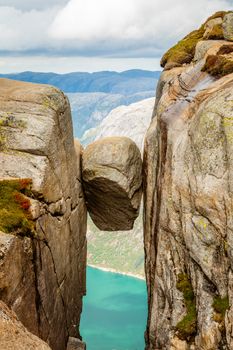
(188, 199)
(14, 335)
(43, 270)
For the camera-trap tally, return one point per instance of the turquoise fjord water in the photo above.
(114, 311)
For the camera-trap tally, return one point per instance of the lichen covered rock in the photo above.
(228, 26)
(188, 170)
(42, 212)
(112, 179)
(216, 27)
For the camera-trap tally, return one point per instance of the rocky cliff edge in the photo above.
(188, 171)
(42, 212)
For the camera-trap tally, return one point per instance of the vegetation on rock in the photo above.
(225, 49)
(183, 52)
(220, 306)
(14, 207)
(218, 66)
(216, 33)
(187, 327)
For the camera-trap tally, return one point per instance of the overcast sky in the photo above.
(91, 35)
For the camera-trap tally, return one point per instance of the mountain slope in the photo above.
(89, 109)
(131, 121)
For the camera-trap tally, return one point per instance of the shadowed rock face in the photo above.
(111, 172)
(188, 167)
(14, 335)
(42, 273)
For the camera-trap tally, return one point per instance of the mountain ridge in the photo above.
(126, 82)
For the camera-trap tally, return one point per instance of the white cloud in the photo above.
(21, 31)
(117, 28)
(26, 5)
(130, 23)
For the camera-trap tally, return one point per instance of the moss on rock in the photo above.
(15, 217)
(183, 52)
(218, 66)
(220, 306)
(216, 33)
(187, 327)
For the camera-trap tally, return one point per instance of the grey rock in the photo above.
(228, 26)
(14, 335)
(112, 179)
(46, 282)
(75, 344)
(188, 168)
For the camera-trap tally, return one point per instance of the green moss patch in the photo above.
(187, 327)
(14, 207)
(218, 66)
(183, 52)
(220, 306)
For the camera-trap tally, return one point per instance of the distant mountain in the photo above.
(131, 121)
(93, 95)
(89, 109)
(124, 83)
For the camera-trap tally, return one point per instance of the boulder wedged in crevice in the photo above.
(112, 181)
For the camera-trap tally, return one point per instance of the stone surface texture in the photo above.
(188, 201)
(112, 180)
(75, 344)
(14, 335)
(228, 26)
(43, 278)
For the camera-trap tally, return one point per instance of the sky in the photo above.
(91, 35)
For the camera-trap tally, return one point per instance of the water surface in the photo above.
(114, 312)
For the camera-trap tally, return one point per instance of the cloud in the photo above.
(129, 26)
(22, 31)
(122, 28)
(27, 5)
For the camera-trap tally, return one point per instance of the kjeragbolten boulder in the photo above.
(112, 179)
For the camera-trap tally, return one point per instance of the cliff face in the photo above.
(42, 212)
(14, 335)
(188, 170)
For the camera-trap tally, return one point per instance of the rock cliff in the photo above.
(14, 335)
(42, 212)
(188, 171)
